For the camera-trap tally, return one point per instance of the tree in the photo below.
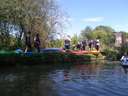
(105, 28)
(74, 39)
(40, 16)
(86, 33)
(103, 33)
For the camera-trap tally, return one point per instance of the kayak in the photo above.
(124, 63)
(82, 52)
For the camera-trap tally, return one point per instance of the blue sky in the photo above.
(82, 13)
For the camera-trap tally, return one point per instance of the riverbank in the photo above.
(45, 58)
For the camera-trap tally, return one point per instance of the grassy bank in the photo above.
(45, 58)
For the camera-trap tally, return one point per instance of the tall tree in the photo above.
(103, 33)
(74, 39)
(86, 33)
(40, 16)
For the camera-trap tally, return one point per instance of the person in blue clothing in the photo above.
(37, 42)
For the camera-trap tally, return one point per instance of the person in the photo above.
(124, 62)
(124, 58)
(37, 42)
(67, 42)
(28, 42)
(97, 44)
(90, 44)
(84, 44)
(79, 46)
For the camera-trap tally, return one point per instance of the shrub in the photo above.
(111, 53)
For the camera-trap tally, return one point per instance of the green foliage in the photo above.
(123, 49)
(56, 43)
(103, 33)
(74, 41)
(21, 16)
(111, 53)
(125, 34)
(105, 28)
(86, 33)
(49, 58)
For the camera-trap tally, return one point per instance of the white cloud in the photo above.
(93, 20)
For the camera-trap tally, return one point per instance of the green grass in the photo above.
(14, 58)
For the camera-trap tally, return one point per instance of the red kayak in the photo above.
(82, 52)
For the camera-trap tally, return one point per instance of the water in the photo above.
(96, 79)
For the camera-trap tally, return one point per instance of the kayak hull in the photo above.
(81, 52)
(124, 64)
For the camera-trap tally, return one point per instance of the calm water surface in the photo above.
(96, 79)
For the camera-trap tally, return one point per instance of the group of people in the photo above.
(83, 44)
(67, 43)
(28, 42)
(88, 43)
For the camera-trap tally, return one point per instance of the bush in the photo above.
(111, 53)
(123, 49)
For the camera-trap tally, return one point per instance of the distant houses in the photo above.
(120, 39)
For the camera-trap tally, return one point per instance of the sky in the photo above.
(82, 13)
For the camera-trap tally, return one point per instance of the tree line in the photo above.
(107, 38)
(18, 17)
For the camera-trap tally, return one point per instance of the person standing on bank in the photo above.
(84, 44)
(97, 46)
(67, 42)
(37, 42)
(28, 42)
(90, 44)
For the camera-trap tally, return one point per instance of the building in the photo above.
(120, 39)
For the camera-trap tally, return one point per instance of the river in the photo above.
(101, 78)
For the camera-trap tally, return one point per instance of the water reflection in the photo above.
(125, 68)
(95, 79)
(26, 81)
